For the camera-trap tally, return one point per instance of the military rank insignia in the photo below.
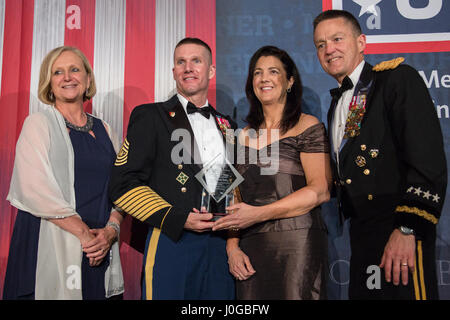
(182, 178)
(122, 156)
(356, 111)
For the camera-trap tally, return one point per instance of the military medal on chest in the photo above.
(224, 125)
(356, 112)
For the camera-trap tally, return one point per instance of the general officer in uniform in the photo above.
(389, 164)
(153, 179)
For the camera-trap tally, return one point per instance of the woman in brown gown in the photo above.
(278, 245)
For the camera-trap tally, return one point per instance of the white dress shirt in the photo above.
(209, 140)
(341, 111)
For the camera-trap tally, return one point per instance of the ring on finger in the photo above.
(404, 264)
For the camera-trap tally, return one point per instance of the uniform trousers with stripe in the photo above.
(193, 268)
(367, 246)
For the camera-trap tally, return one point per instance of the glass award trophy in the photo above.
(219, 179)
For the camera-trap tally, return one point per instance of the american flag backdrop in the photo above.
(130, 45)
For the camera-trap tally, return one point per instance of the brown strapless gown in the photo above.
(289, 255)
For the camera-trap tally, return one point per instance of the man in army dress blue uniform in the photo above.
(183, 259)
(389, 164)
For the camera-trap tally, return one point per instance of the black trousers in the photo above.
(367, 281)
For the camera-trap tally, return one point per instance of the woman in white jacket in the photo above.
(64, 243)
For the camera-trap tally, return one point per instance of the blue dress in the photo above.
(94, 158)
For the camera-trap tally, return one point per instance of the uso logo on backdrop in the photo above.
(394, 26)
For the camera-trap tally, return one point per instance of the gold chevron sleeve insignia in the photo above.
(142, 202)
(420, 213)
(387, 65)
(122, 156)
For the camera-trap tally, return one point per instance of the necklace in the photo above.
(86, 128)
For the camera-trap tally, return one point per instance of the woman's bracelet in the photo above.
(115, 226)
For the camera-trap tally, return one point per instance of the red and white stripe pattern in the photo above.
(2, 20)
(130, 45)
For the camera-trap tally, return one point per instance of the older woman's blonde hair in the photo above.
(45, 93)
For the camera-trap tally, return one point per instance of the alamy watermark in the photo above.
(73, 280)
(243, 147)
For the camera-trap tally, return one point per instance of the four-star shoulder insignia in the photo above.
(390, 64)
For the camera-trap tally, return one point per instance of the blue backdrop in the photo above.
(245, 26)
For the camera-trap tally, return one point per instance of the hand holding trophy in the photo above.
(220, 180)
